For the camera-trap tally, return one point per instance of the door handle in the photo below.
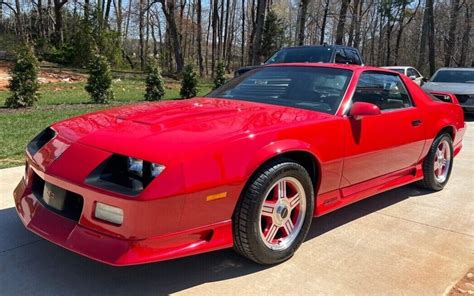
(416, 122)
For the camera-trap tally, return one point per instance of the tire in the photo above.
(438, 163)
(270, 222)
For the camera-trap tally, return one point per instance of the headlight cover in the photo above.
(40, 140)
(125, 175)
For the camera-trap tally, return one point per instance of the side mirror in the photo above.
(413, 77)
(360, 109)
(424, 79)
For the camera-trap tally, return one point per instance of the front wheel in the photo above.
(274, 213)
(438, 163)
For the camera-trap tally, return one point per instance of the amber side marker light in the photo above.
(216, 196)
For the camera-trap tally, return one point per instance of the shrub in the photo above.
(24, 80)
(189, 83)
(154, 90)
(99, 83)
(219, 80)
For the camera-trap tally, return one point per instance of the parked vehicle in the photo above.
(311, 54)
(247, 167)
(459, 81)
(411, 72)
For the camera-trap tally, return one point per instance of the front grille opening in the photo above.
(73, 202)
(40, 140)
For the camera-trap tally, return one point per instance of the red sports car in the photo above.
(247, 167)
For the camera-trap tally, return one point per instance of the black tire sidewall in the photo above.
(430, 179)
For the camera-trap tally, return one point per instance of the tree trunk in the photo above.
(423, 39)
(431, 37)
(215, 20)
(257, 41)
(141, 33)
(242, 45)
(342, 21)
(450, 43)
(357, 25)
(199, 37)
(168, 8)
(467, 32)
(325, 17)
(354, 21)
(226, 29)
(303, 12)
(58, 22)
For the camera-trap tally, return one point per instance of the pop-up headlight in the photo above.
(124, 174)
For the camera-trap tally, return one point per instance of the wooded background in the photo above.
(426, 34)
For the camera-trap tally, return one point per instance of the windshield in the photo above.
(402, 71)
(314, 88)
(454, 76)
(301, 55)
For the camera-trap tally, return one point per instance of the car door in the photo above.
(382, 144)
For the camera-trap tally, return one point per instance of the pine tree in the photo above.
(219, 79)
(24, 83)
(189, 83)
(154, 82)
(99, 83)
(273, 34)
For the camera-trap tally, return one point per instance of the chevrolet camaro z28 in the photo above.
(246, 167)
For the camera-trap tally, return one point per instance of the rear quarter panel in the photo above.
(437, 115)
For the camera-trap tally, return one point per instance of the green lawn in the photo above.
(59, 101)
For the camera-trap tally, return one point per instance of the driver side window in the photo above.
(384, 90)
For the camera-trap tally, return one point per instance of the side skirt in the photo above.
(333, 200)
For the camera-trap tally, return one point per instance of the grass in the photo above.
(59, 101)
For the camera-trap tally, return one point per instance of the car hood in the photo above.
(456, 88)
(175, 127)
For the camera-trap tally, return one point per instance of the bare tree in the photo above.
(450, 42)
(342, 21)
(466, 35)
(257, 41)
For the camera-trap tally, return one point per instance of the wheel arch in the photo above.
(301, 156)
(447, 129)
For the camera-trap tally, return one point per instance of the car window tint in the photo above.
(352, 56)
(340, 57)
(314, 88)
(454, 76)
(301, 55)
(412, 72)
(387, 91)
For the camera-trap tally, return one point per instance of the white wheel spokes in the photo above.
(268, 208)
(282, 213)
(271, 233)
(442, 161)
(294, 201)
(289, 226)
(281, 189)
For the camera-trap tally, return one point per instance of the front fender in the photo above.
(275, 149)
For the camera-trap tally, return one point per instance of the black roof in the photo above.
(333, 46)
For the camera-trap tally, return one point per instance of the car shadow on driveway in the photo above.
(30, 265)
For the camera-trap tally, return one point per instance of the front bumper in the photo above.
(85, 238)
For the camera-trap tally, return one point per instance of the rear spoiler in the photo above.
(445, 97)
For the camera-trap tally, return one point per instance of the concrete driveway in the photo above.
(406, 241)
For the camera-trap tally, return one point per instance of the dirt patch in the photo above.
(465, 286)
(45, 75)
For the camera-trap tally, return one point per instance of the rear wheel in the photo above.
(274, 214)
(438, 163)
